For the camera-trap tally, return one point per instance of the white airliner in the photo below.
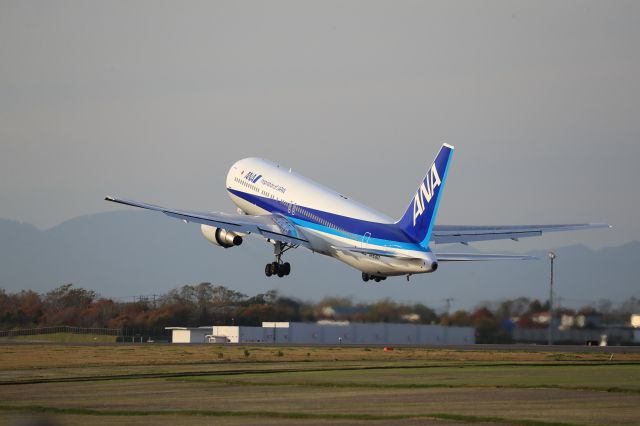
(290, 211)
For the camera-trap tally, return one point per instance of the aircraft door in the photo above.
(365, 239)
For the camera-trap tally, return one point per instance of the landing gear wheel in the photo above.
(286, 268)
(275, 268)
(365, 277)
(267, 270)
(377, 279)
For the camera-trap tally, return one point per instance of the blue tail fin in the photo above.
(417, 221)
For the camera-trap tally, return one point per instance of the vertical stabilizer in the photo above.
(417, 221)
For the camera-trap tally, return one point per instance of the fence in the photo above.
(615, 336)
(61, 329)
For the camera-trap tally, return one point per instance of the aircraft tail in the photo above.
(417, 221)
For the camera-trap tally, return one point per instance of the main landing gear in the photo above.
(278, 267)
(377, 278)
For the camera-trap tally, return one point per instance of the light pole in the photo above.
(552, 257)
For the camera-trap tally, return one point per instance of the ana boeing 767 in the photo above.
(289, 211)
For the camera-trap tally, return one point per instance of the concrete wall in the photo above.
(252, 335)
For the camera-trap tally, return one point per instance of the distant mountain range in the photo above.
(127, 253)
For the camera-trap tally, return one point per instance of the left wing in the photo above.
(443, 234)
(272, 226)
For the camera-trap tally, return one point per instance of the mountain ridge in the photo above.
(125, 253)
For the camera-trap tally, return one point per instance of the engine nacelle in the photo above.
(220, 237)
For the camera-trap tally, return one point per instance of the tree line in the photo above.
(209, 304)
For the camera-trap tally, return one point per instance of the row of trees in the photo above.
(208, 304)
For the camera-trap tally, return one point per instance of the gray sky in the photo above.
(155, 100)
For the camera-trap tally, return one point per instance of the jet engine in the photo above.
(220, 237)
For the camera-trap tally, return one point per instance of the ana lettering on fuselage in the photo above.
(425, 192)
(252, 177)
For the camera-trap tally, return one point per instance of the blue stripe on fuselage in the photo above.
(382, 234)
(356, 238)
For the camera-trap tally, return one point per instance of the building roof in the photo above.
(189, 328)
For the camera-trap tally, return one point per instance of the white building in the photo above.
(189, 334)
(635, 320)
(330, 334)
(238, 334)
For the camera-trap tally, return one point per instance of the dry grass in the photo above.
(211, 384)
(54, 356)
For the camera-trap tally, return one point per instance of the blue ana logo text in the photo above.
(425, 193)
(252, 177)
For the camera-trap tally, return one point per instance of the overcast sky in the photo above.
(155, 100)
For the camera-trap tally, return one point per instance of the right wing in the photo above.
(272, 226)
(472, 257)
(443, 234)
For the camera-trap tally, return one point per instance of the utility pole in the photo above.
(448, 301)
(552, 257)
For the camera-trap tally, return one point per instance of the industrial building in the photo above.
(328, 333)
(189, 334)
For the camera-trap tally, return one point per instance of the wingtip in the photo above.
(448, 145)
(109, 198)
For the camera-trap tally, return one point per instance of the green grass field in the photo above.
(209, 384)
(62, 338)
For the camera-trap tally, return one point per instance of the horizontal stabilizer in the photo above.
(444, 234)
(475, 257)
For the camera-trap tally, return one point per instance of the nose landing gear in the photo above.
(278, 267)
